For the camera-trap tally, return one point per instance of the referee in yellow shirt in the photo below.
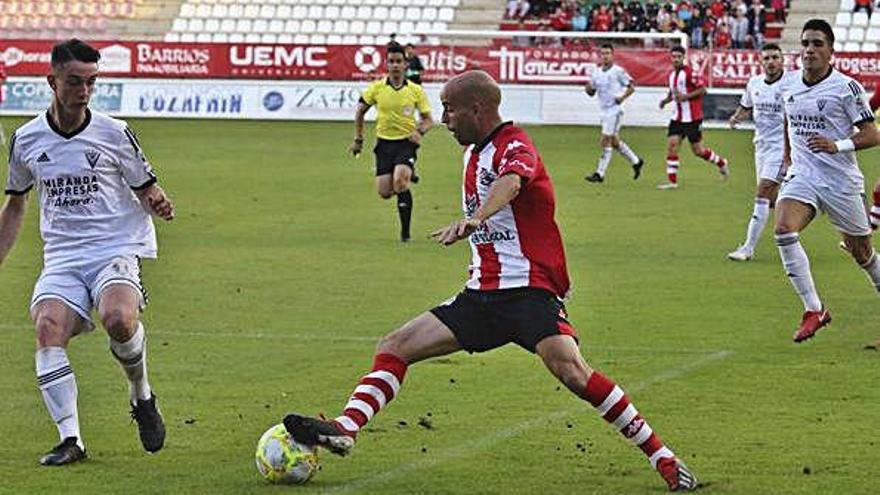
(397, 134)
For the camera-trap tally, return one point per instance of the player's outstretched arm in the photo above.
(502, 192)
(667, 100)
(157, 202)
(589, 89)
(630, 89)
(11, 218)
(866, 137)
(741, 114)
(358, 145)
(786, 147)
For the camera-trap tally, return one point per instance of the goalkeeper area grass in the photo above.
(283, 269)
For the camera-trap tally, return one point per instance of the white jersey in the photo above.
(829, 108)
(765, 102)
(609, 84)
(85, 182)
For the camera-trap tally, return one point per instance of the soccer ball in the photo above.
(282, 460)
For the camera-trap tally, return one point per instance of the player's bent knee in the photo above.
(119, 322)
(50, 331)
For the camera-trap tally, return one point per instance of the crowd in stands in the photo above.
(718, 23)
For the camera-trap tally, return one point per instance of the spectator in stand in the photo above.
(757, 23)
(738, 6)
(684, 14)
(618, 12)
(866, 5)
(542, 8)
(579, 21)
(709, 24)
(739, 29)
(602, 19)
(652, 10)
(560, 20)
(778, 7)
(695, 28)
(722, 36)
(718, 8)
(665, 19)
(637, 16)
(517, 9)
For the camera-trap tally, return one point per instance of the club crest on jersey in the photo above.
(821, 102)
(92, 156)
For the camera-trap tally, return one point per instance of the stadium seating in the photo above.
(310, 21)
(855, 32)
(55, 19)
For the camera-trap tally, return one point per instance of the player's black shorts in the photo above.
(484, 320)
(693, 131)
(392, 152)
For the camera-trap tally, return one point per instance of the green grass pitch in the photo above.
(282, 269)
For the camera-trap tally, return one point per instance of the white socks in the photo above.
(872, 268)
(797, 267)
(604, 160)
(58, 385)
(132, 356)
(627, 152)
(757, 223)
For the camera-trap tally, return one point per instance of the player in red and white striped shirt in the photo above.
(2, 95)
(686, 89)
(518, 278)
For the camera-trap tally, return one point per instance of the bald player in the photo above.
(515, 292)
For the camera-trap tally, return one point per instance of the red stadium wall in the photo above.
(511, 65)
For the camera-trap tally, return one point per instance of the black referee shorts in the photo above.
(484, 320)
(693, 131)
(393, 152)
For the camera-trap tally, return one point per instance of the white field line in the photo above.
(497, 436)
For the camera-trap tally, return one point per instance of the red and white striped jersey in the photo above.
(685, 81)
(520, 246)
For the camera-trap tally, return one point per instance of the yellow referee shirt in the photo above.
(396, 118)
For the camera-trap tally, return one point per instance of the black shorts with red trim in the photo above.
(693, 131)
(484, 320)
(393, 152)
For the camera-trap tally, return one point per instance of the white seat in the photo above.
(452, 3)
(252, 38)
(331, 12)
(267, 11)
(300, 39)
(227, 26)
(429, 14)
(212, 25)
(251, 11)
(435, 3)
(445, 14)
(204, 37)
(172, 37)
(276, 26)
(370, 2)
(396, 13)
(188, 38)
(269, 38)
(318, 39)
(220, 11)
(220, 38)
(869, 46)
(340, 27)
(325, 26)
(407, 27)
(423, 27)
(300, 12)
(283, 11)
(843, 19)
(367, 39)
(852, 46)
(838, 46)
(349, 39)
(348, 12)
(196, 25)
(404, 3)
(260, 26)
(285, 39)
(204, 10)
(413, 14)
(357, 27)
(380, 13)
(316, 12)
(439, 26)
(872, 34)
(179, 25)
(387, 3)
(187, 10)
(875, 20)
(334, 39)
(373, 27)
(364, 12)
(847, 5)
(236, 37)
(291, 26)
(308, 26)
(856, 34)
(243, 26)
(840, 33)
(389, 27)
(236, 11)
(860, 19)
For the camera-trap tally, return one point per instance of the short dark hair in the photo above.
(606, 45)
(394, 47)
(770, 46)
(820, 25)
(73, 49)
(677, 49)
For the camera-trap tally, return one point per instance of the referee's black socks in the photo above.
(404, 209)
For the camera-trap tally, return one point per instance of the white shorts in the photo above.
(768, 169)
(611, 122)
(845, 210)
(79, 285)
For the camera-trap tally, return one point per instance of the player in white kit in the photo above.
(762, 100)
(96, 192)
(613, 86)
(822, 107)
